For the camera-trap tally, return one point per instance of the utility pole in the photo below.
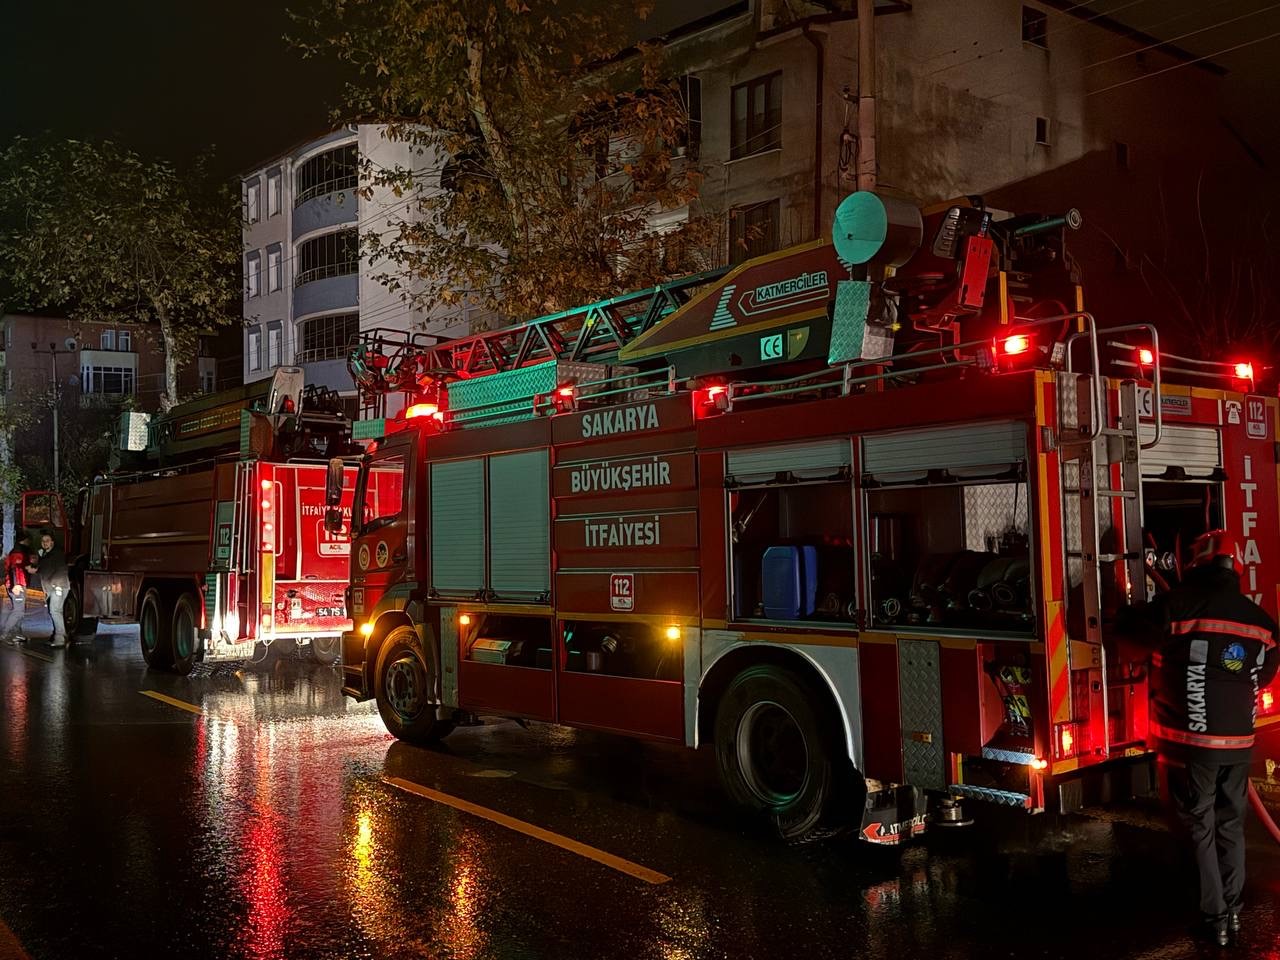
(866, 95)
(56, 401)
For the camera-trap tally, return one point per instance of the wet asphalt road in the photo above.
(259, 822)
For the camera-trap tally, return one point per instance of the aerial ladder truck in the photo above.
(858, 515)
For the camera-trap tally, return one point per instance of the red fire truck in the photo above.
(212, 535)
(858, 514)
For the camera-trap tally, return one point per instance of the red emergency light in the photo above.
(1015, 345)
(1145, 357)
(711, 400)
(1244, 371)
(421, 410)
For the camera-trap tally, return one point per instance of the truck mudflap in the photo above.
(893, 813)
(353, 653)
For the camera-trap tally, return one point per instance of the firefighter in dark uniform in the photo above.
(1216, 649)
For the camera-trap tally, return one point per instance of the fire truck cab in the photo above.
(857, 515)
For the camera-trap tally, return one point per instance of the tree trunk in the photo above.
(169, 396)
(6, 460)
(495, 143)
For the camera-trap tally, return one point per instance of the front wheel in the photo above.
(777, 754)
(403, 687)
(155, 620)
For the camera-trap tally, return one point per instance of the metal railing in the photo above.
(345, 268)
(325, 187)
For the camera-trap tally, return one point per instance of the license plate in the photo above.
(330, 612)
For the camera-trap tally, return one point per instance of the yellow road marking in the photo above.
(10, 948)
(37, 656)
(529, 830)
(180, 704)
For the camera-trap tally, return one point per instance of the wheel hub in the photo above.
(772, 753)
(404, 687)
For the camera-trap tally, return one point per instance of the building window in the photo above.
(756, 116)
(208, 374)
(255, 350)
(107, 341)
(691, 97)
(1035, 27)
(753, 231)
(1042, 130)
(326, 173)
(108, 381)
(274, 269)
(327, 338)
(251, 212)
(275, 344)
(273, 193)
(253, 274)
(331, 255)
(124, 340)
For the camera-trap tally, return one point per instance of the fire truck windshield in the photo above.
(382, 492)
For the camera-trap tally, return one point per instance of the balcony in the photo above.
(334, 205)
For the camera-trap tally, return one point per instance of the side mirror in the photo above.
(333, 482)
(333, 520)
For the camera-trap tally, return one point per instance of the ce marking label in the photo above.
(771, 347)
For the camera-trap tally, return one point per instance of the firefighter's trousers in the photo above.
(1209, 799)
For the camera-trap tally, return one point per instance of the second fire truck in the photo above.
(857, 514)
(211, 532)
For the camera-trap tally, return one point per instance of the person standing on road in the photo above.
(17, 566)
(1217, 648)
(56, 583)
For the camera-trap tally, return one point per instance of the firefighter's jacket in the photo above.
(1215, 649)
(15, 567)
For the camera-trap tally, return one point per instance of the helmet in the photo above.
(1218, 547)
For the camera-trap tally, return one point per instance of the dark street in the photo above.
(254, 813)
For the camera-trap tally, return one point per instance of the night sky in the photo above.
(171, 77)
(165, 77)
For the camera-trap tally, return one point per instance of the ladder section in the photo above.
(1100, 450)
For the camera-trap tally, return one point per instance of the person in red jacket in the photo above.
(1217, 648)
(18, 565)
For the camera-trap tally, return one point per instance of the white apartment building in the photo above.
(308, 291)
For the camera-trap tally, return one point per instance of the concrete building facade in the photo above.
(971, 96)
(308, 289)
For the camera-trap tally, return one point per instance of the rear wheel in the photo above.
(777, 754)
(155, 620)
(72, 615)
(403, 687)
(326, 650)
(184, 634)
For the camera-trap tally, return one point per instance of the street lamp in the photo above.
(69, 345)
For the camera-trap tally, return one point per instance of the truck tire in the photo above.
(72, 615)
(326, 650)
(155, 620)
(777, 754)
(402, 687)
(184, 633)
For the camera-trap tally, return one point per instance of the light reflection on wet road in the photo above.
(262, 827)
